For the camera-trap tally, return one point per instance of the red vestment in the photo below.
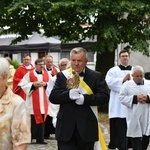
(54, 71)
(20, 72)
(36, 98)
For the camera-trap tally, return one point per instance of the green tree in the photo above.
(112, 22)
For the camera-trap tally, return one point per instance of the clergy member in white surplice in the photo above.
(115, 77)
(52, 71)
(135, 95)
(34, 84)
(53, 111)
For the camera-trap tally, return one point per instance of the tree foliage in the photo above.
(112, 22)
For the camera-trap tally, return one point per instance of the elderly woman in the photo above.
(14, 116)
(12, 71)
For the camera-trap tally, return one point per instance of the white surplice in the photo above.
(137, 115)
(53, 107)
(26, 85)
(114, 80)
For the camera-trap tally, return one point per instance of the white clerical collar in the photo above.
(28, 67)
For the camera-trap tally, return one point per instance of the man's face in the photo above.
(124, 58)
(27, 60)
(78, 61)
(49, 62)
(63, 65)
(39, 66)
(138, 76)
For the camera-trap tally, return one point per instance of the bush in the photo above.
(15, 63)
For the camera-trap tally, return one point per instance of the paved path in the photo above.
(52, 144)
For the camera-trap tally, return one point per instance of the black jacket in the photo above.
(81, 116)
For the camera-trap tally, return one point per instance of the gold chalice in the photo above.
(73, 81)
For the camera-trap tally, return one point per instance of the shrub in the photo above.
(15, 63)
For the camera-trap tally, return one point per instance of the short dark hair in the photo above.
(124, 51)
(38, 61)
(25, 55)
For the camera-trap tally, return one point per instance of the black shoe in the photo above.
(41, 143)
(46, 137)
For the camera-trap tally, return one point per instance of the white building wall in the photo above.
(34, 56)
(56, 57)
(17, 57)
(137, 58)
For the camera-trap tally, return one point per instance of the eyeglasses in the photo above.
(26, 59)
(64, 65)
(40, 64)
(124, 56)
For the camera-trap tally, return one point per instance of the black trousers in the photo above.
(75, 143)
(37, 130)
(118, 137)
(140, 143)
(49, 128)
(136, 143)
(145, 142)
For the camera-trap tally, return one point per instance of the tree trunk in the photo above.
(105, 61)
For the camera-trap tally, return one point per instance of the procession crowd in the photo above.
(37, 101)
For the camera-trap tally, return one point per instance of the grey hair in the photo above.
(78, 50)
(48, 56)
(63, 59)
(137, 68)
(4, 67)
